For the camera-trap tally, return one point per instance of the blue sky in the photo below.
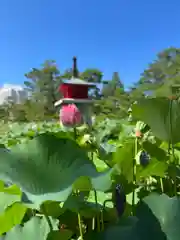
(116, 35)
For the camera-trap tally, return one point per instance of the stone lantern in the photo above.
(75, 106)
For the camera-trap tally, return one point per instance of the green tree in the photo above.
(163, 74)
(4, 114)
(89, 75)
(92, 75)
(43, 85)
(34, 111)
(109, 89)
(17, 113)
(115, 101)
(68, 74)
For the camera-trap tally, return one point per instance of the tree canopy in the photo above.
(160, 78)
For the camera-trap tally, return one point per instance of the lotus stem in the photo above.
(134, 173)
(93, 223)
(102, 220)
(172, 144)
(80, 226)
(75, 134)
(98, 219)
(47, 218)
(79, 216)
(161, 184)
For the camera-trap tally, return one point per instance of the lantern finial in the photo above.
(74, 90)
(75, 71)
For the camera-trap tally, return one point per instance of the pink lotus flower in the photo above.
(70, 115)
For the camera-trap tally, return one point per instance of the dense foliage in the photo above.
(119, 179)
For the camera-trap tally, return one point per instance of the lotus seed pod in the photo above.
(144, 158)
(119, 199)
(70, 116)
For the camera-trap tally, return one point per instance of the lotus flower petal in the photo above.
(70, 115)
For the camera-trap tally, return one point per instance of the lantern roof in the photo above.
(77, 81)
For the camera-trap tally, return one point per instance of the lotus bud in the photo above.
(70, 116)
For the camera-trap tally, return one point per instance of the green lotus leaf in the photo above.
(163, 118)
(46, 167)
(12, 216)
(157, 217)
(36, 229)
(7, 200)
(86, 205)
(124, 157)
